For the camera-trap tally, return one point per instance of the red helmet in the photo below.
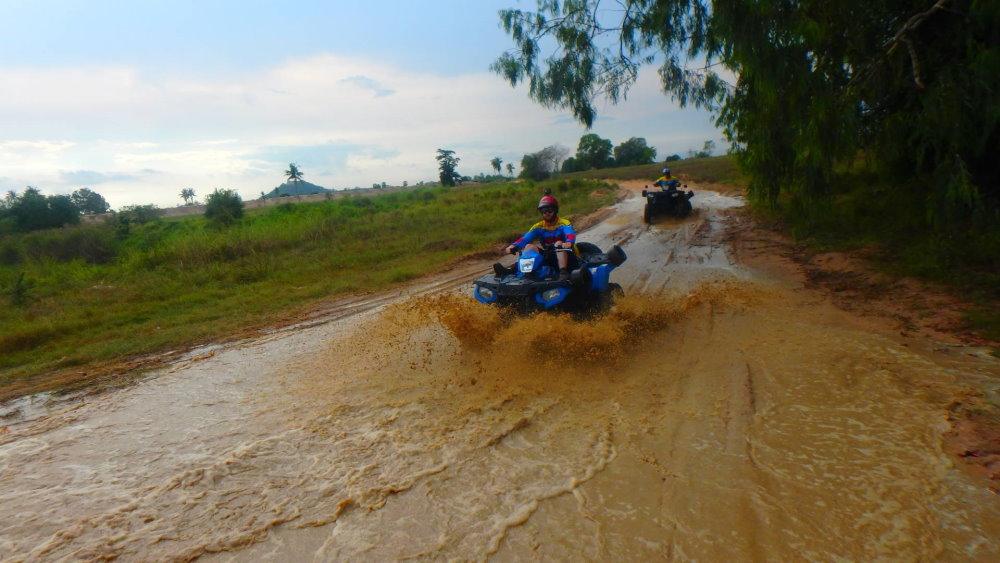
(548, 201)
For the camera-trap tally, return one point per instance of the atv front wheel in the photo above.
(613, 293)
(683, 209)
(647, 214)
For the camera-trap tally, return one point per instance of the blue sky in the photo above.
(138, 100)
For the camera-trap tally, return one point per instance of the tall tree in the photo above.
(496, 163)
(187, 194)
(447, 166)
(89, 202)
(542, 164)
(571, 165)
(553, 156)
(634, 152)
(593, 152)
(510, 169)
(909, 84)
(293, 173)
(533, 167)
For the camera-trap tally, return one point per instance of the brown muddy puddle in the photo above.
(727, 423)
(711, 416)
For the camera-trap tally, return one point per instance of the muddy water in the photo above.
(713, 415)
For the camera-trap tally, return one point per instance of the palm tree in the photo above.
(496, 162)
(293, 173)
(187, 194)
(510, 170)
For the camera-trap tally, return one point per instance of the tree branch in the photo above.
(901, 37)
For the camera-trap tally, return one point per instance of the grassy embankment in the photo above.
(79, 299)
(889, 225)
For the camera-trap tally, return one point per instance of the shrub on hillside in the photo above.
(223, 207)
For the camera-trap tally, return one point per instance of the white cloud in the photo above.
(379, 123)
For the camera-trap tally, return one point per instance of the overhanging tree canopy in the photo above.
(909, 84)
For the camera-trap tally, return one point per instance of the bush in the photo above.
(223, 207)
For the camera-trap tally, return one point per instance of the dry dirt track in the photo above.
(717, 414)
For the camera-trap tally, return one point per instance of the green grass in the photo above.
(90, 295)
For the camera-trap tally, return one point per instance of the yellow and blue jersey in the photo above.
(665, 180)
(546, 235)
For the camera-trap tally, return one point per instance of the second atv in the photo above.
(667, 201)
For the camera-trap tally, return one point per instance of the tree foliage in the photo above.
(542, 164)
(187, 194)
(496, 163)
(447, 167)
(706, 150)
(223, 207)
(294, 174)
(32, 211)
(89, 202)
(593, 152)
(910, 86)
(634, 152)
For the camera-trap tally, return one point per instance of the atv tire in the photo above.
(683, 209)
(613, 293)
(647, 214)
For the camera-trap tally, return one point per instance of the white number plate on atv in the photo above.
(526, 265)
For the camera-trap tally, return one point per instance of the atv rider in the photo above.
(551, 231)
(666, 181)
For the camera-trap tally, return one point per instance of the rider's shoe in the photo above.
(563, 274)
(499, 269)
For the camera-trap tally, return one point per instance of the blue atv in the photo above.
(534, 285)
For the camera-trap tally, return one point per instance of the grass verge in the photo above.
(172, 284)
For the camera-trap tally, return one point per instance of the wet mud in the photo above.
(713, 414)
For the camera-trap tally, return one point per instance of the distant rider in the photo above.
(667, 181)
(552, 231)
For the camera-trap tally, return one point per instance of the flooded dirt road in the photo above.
(715, 414)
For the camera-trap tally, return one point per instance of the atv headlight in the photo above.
(551, 297)
(550, 294)
(484, 294)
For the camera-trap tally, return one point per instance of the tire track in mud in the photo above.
(708, 417)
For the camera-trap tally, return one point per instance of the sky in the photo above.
(138, 100)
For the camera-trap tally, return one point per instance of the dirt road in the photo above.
(719, 413)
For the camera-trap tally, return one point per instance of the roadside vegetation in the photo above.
(704, 170)
(882, 222)
(857, 124)
(81, 296)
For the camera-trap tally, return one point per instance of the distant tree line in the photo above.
(32, 211)
(594, 153)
